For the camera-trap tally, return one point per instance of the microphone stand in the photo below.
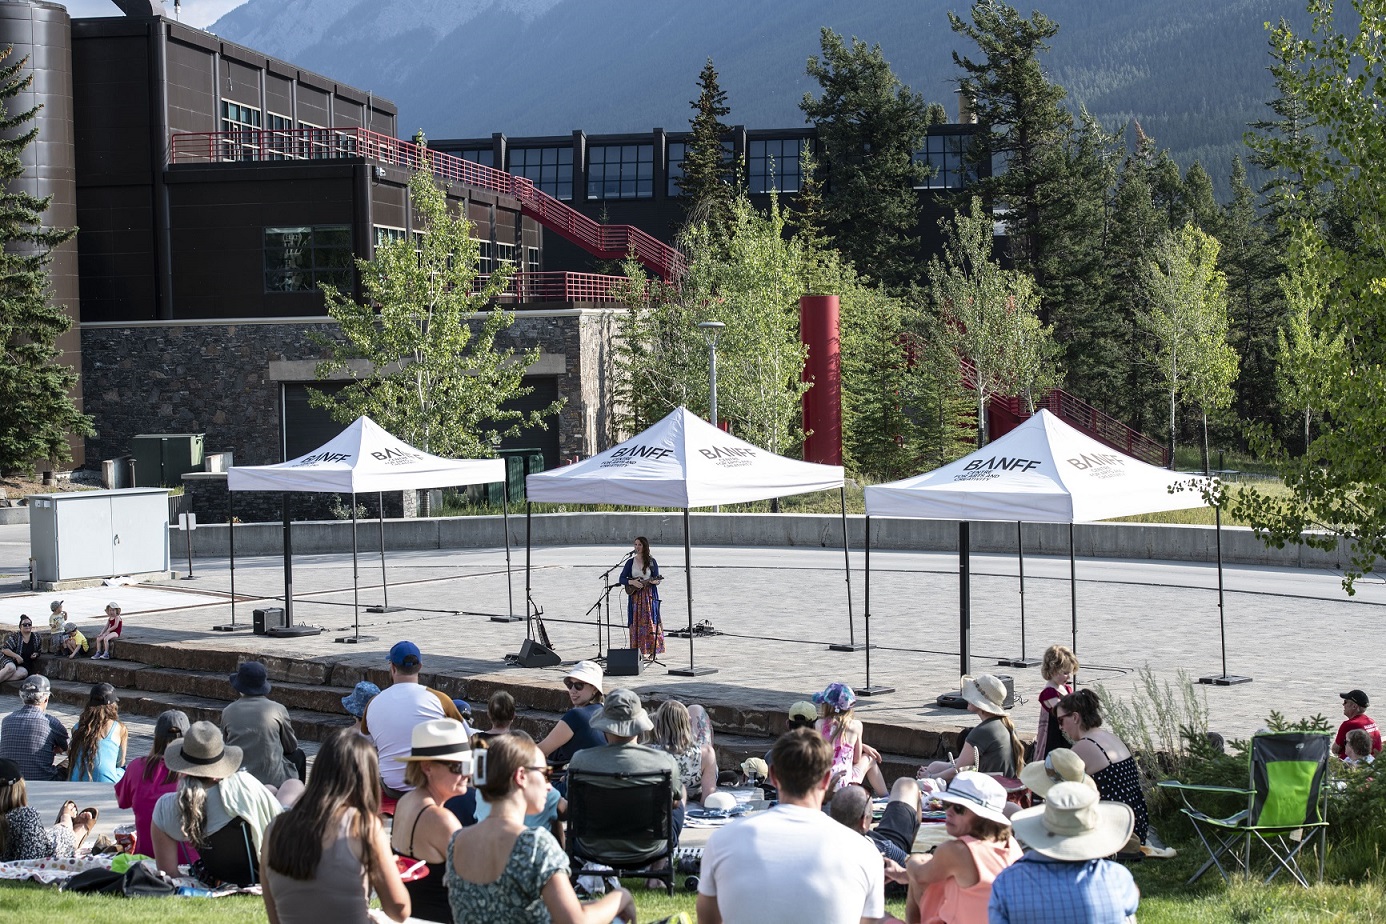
(607, 588)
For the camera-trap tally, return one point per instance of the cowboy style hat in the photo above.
(1073, 825)
(1060, 765)
(203, 752)
(986, 692)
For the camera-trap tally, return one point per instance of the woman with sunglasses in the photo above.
(953, 884)
(502, 872)
(1105, 756)
(574, 731)
(19, 655)
(438, 767)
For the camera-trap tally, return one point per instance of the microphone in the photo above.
(629, 554)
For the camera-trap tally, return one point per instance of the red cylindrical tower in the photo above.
(818, 330)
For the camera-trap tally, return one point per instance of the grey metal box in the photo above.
(98, 534)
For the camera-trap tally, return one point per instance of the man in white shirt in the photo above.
(792, 863)
(390, 717)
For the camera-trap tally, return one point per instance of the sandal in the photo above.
(95, 813)
(62, 812)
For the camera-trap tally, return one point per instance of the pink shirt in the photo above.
(135, 792)
(947, 903)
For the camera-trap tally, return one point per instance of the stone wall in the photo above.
(217, 378)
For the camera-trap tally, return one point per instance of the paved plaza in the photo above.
(1295, 632)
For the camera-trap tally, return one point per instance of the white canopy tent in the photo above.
(682, 461)
(1043, 471)
(362, 459)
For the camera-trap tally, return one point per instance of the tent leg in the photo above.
(385, 607)
(690, 670)
(231, 626)
(530, 608)
(1224, 679)
(509, 586)
(356, 637)
(846, 570)
(1021, 661)
(1072, 592)
(954, 700)
(289, 629)
(869, 690)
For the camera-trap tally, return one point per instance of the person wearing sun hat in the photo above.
(953, 884)
(574, 731)
(1060, 765)
(261, 728)
(438, 768)
(213, 791)
(360, 696)
(1063, 875)
(991, 747)
(853, 760)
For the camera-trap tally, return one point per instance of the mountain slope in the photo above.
(1193, 73)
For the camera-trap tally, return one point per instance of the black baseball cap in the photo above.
(1357, 696)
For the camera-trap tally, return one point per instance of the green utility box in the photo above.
(162, 459)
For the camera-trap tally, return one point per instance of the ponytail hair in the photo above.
(1017, 746)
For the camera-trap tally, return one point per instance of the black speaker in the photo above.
(271, 617)
(623, 662)
(532, 654)
(955, 700)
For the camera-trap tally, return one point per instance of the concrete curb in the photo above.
(14, 516)
(1091, 540)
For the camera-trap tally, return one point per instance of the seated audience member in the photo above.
(1359, 749)
(502, 872)
(29, 736)
(213, 792)
(1106, 757)
(574, 730)
(702, 724)
(792, 863)
(1355, 704)
(1061, 765)
(464, 709)
(147, 778)
(358, 699)
(99, 739)
(500, 711)
(622, 720)
(73, 640)
(323, 857)
(853, 760)
(438, 767)
(991, 747)
(261, 728)
(953, 884)
(802, 714)
(894, 837)
(673, 734)
(390, 718)
(1062, 875)
(105, 640)
(23, 835)
(19, 654)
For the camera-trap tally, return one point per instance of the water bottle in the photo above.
(194, 892)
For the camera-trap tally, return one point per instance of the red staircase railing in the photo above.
(608, 242)
(527, 288)
(1006, 412)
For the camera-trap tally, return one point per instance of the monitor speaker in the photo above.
(271, 617)
(624, 662)
(532, 654)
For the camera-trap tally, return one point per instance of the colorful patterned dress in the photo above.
(642, 610)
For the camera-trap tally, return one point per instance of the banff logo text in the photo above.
(396, 457)
(1100, 464)
(324, 458)
(991, 468)
(626, 456)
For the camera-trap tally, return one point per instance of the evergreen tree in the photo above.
(1028, 126)
(705, 183)
(37, 413)
(871, 125)
(436, 378)
(1196, 204)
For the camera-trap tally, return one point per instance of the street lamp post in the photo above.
(711, 330)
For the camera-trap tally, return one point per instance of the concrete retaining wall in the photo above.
(10, 516)
(1091, 540)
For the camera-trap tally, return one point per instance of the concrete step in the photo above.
(307, 724)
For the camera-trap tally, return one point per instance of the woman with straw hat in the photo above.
(1063, 876)
(438, 767)
(213, 791)
(991, 747)
(953, 884)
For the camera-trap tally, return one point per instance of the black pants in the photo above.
(300, 762)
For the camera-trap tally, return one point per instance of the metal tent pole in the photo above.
(869, 690)
(690, 670)
(231, 626)
(847, 571)
(357, 637)
(529, 600)
(954, 699)
(384, 580)
(1021, 661)
(1072, 591)
(1224, 679)
(509, 584)
(289, 629)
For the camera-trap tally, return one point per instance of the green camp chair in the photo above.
(1284, 810)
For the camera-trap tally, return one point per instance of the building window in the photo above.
(505, 254)
(551, 169)
(245, 122)
(484, 156)
(315, 143)
(531, 259)
(677, 151)
(301, 259)
(485, 263)
(943, 156)
(774, 164)
(384, 234)
(620, 171)
(279, 140)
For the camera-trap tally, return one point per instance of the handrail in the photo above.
(525, 288)
(609, 242)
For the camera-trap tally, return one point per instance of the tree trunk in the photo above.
(1307, 412)
(981, 419)
(1206, 462)
(1171, 429)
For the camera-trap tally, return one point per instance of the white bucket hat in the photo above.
(588, 672)
(978, 793)
(1060, 765)
(1073, 825)
(986, 692)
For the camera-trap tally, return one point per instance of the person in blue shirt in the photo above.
(1063, 876)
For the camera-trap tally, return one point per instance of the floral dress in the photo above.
(26, 837)
(516, 897)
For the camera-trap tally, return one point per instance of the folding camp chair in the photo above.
(622, 820)
(1285, 807)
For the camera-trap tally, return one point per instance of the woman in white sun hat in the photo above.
(953, 885)
(438, 766)
(1063, 876)
(991, 747)
(574, 731)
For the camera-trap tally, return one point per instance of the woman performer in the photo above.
(641, 578)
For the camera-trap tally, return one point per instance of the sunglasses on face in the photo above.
(456, 768)
(954, 807)
(26, 625)
(545, 770)
(572, 684)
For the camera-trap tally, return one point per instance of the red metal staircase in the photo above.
(607, 242)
